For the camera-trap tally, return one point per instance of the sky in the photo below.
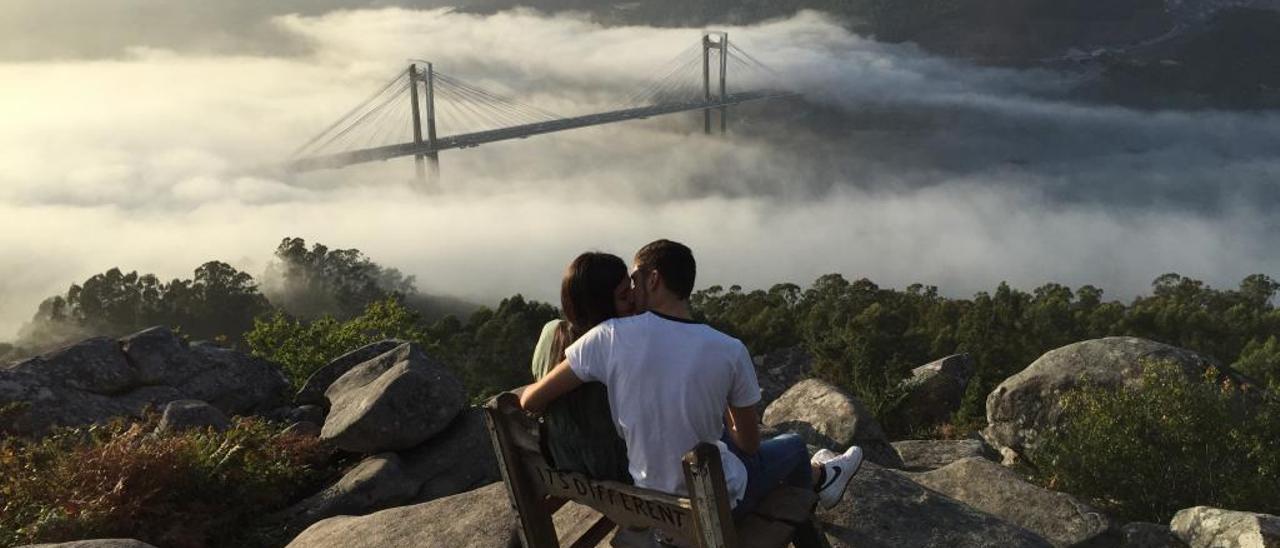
(141, 135)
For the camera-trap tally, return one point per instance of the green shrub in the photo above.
(1145, 453)
(490, 352)
(188, 489)
(301, 347)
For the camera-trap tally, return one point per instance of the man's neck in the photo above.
(674, 309)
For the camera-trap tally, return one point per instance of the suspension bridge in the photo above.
(423, 111)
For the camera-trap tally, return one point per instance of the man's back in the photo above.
(669, 381)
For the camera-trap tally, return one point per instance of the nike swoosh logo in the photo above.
(836, 468)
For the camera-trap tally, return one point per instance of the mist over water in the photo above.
(897, 165)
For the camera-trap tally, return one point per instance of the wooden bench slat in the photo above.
(594, 535)
(793, 505)
(625, 505)
(758, 532)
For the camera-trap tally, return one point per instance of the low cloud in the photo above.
(896, 165)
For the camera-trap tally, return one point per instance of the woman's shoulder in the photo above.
(541, 362)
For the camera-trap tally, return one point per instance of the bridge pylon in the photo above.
(715, 40)
(426, 164)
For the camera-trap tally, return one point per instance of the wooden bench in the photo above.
(701, 520)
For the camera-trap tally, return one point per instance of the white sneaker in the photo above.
(839, 471)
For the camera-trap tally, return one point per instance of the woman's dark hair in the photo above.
(586, 296)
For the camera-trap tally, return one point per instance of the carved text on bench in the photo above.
(570, 485)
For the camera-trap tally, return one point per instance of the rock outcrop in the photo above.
(933, 393)
(476, 519)
(779, 370)
(394, 401)
(232, 381)
(1206, 527)
(376, 483)
(187, 414)
(304, 429)
(994, 489)
(312, 391)
(884, 508)
(925, 455)
(99, 379)
(827, 417)
(99, 543)
(458, 460)
(1026, 405)
(1141, 534)
(481, 519)
(306, 413)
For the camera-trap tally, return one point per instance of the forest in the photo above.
(315, 303)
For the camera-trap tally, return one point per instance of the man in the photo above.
(674, 382)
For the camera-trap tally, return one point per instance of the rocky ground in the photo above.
(428, 476)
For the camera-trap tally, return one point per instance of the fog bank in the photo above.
(896, 166)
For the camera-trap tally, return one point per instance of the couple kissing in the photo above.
(629, 381)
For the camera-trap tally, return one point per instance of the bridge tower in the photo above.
(714, 40)
(421, 160)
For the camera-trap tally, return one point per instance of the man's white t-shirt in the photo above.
(669, 382)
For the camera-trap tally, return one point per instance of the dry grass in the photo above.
(190, 489)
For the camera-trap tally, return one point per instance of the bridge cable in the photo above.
(463, 103)
(342, 136)
(499, 102)
(491, 116)
(392, 83)
(644, 95)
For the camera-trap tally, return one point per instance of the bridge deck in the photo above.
(341, 159)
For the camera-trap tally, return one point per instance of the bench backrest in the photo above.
(536, 490)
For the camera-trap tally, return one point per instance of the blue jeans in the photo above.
(783, 460)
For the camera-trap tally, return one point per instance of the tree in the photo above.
(492, 350)
(311, 283)
(219, 303)
(1190, 314)
(764, 320)
(1260, 359)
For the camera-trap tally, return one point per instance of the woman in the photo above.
(578, 431)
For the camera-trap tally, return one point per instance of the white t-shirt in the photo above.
(669, 382)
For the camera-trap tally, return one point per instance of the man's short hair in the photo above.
(674, 261)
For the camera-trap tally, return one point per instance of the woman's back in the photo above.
(578, 433)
